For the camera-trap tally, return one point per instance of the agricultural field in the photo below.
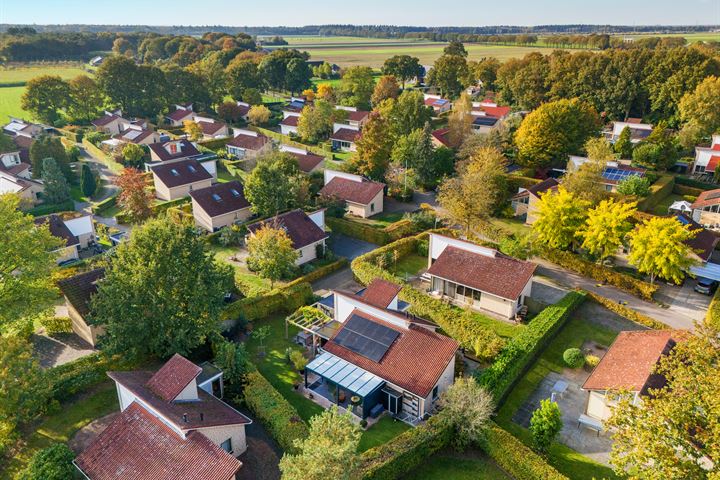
(690, 37)
(10, 103)
(14, 75)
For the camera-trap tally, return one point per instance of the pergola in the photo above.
(313, 321)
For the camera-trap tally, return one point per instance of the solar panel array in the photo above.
(618, 174)
(369, 339)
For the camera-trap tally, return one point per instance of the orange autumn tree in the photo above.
(134, 198)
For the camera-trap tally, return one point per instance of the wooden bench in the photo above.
(590, 423)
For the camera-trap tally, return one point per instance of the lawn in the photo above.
(566, 460)
(513, 225)
(10, 103)
(409, 265)
(61, 426)
(662, 207)
(250, 284)
(14, 75)
(449, 465)
(381, 220)
(276, 369)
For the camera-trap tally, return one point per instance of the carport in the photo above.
(710, 271)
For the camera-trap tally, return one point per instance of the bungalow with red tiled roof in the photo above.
(212, 129)
(177, 179)
(248, 144)
(487, 115)
(344, 137)
(706, 208)
(15, 175)
(305, 230)
(111, 123)
(355, 117)
(389, 360)
(707, 159)
(364, 198)
(181, 113)
(627, 368)
(243, 110)
(524, 203)
(138, 135)
(172, 426)
(220, 205)
(289, 123)
(441, 138)
(308, 162)
(478, 277)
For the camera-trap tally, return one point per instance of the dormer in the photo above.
(176, 380)
(173, 148)
(187, 107)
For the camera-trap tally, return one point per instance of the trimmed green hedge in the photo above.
(690, 182)
(41, 210)
(680, 189)
(274, 412)
(320, 272)
(521, 351)
(627, 312)
(712, 317)
(406, 451)
(284, 299)
(600, 273)
(456, 322)
(358, 230)
(517, 459)
(215, 144)
(53, 324)
(72, 135)
(124, 217)
(289, 141)
(101, 207)
(658, 192)
(74, 377)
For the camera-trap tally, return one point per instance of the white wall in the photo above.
(338, 126)
(218, 435)
(444, 382)
(288, 129)
(242, 131)
(344, 305)
(330, 174)
(211, 167)
(83, 228)
(438, 243)
(189, 392)
(125, 396)
(318, 218)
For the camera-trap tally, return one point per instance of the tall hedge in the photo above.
(517, 356)
(658, 192)
(284, 299)
(48, 208)
(712, 317)
(274, 412)
(368, 233)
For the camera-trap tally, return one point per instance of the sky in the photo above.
(394, 12)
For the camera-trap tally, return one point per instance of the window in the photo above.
(235, 193)
(175, 173)
(173, 148)
(192, 169)
(227, 445)
(216, 197)
(435, 392)
(700, 169)
(372, 207)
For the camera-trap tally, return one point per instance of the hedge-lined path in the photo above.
(674, 316)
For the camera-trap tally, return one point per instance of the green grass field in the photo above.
(691, 37)
(449, 465)
(13, 75)
(10, 103)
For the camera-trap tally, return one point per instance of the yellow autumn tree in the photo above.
(606, 227)
(559, 217)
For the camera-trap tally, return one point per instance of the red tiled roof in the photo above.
(187, 149)
(249, 142)
(104, 120)
(441, 136)
(715, 146)
(496, 111)
(180, 114)
(707, 198)
(138, 446)
(299, 227)
(211, 128)
(352, 191)
(357, 116)
(180, 173)
(220, 199)
(712, 163)
(133, 139)
(307, 161)
(173, 377)
(290, 121)
(345, 135)
(415, 361)
(381, 292)
(630, 360)
(499, 275)
(538, 188)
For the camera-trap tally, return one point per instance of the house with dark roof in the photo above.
(289, 123)
(389, 360)
(438, 104)
(78, 290)
(15, 174)
(707, 159)
(441, 137)
(173, 425)
(628, 368)
(220, 205)
(76, 233)
(524, 203)
(177, 179)
(308, 162)
(487, 115)
(614, 172)
(355, 117)
(706, 209)
(181, 113)
(305, 230)
(248, 144)
(137, 134)
(111, 123)
(478, 277)
(173, 150)
(212, 128)
(243, 110)
(344, 137)
(18, 127)
(364, 198)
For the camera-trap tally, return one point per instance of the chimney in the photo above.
(185, 417)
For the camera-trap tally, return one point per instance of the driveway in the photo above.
(684, 300)
(677, 316)
(349, 247)
(59, 349)
(343, 279)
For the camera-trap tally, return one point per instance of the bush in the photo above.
(545, 424)
(55, 325)
(74, 377)
(686, 190)
(101, 208)
(285, 299)
(691, 182)
(274, 412)
(712, 317)
(298, 359)
(574, 358)
(521, 351)
(47, 209)
(634, 185)
(658, 192)
(51, 463)
(516, 458)
(591, 361)
(600, 273)
(406, 451)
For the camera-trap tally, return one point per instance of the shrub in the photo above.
(53, 324)
(298, 359)
(634, 185)
(521, 351)
(51, 463)
(230, 236)
(48, 208)
(516, 458)
(285, 299)
(658, 191)
(102, 207)
(712, 317)
(600, 273)
(274, 412)
(74, 377)
(545, 424)
(691, 182)
(574, 358)
(591, 361)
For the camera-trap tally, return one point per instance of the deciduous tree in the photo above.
(416, 151)
(45, 97)
(86, 99)
(634, 185)
(623, 145)
(193, 130)
(258, 115)
(658, 248)
(271, 253)
(275, 184)
(133, 154)
(240, 75)
(403, 67)
(26, 264)
(298, 75)
(330, 451)
(325, 91)
(24, 388)
(44, 147)
(407, 113)
(559, 217)
(460, 121)
(134, 197)
(373, 148)
(699, 108)
(449, 74)
(606, 227)
(387, 87)
(469, 407)
(357, 87)
(161, 261)
(51, 463)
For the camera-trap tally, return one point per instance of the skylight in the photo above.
(175, 173)
(235, 192)
(216, 197)
(192, 169)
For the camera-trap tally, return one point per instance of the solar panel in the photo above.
(369, 339)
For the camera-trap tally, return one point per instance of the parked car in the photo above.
(706, 286)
